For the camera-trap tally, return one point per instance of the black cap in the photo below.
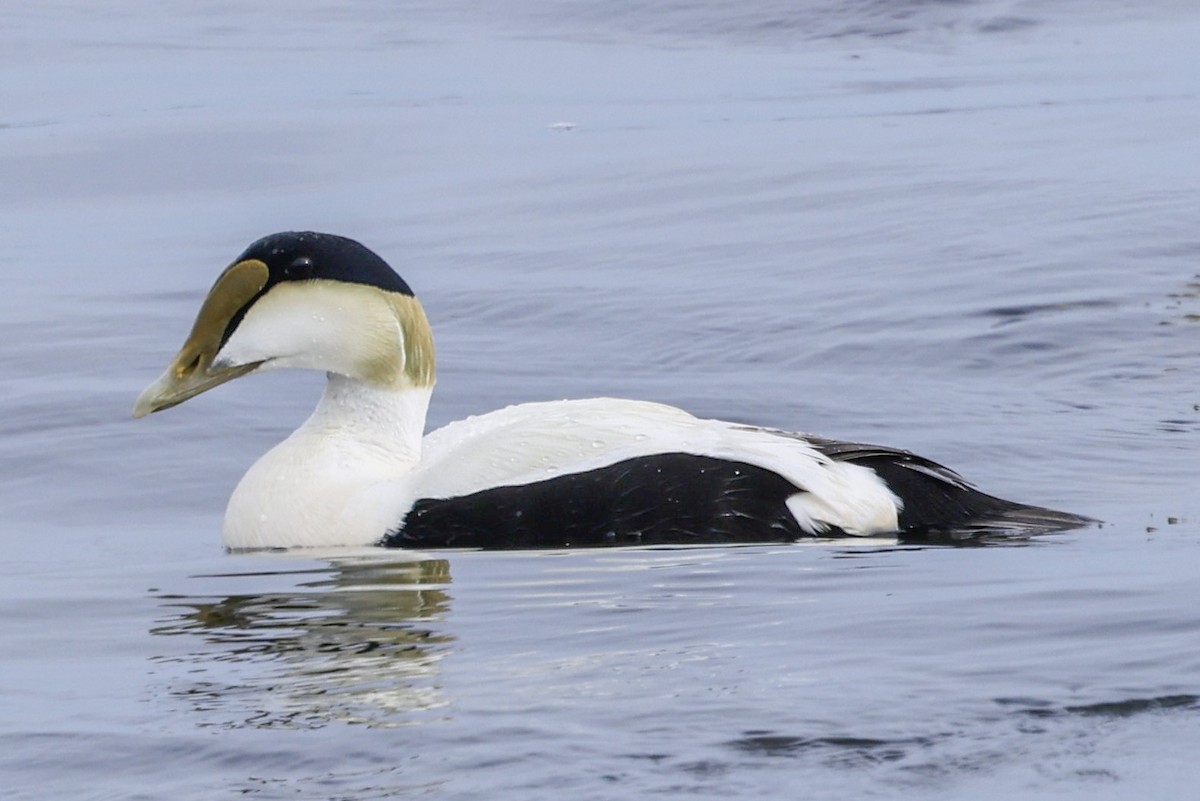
(305, 255)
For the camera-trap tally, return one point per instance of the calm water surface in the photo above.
(968, 229)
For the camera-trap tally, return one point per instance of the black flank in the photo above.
(671, 498)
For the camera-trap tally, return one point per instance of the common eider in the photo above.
(538, 475)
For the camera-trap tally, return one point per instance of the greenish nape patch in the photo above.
(420, 363)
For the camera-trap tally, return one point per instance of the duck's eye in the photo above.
(299, 268)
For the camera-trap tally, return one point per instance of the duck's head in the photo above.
(317, 301)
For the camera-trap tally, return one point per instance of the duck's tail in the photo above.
(937, 503)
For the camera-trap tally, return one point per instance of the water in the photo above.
(963, 228)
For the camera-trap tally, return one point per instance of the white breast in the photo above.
(345, 477)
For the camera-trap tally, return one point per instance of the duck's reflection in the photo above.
(358, 641)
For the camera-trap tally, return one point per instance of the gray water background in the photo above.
(964, 228)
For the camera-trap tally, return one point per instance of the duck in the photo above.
(361, 471)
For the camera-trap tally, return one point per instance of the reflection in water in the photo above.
(1040, 726)
(847, 751)
(359, 643)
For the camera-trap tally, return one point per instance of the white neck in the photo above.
(339, 479)
(383, 426)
